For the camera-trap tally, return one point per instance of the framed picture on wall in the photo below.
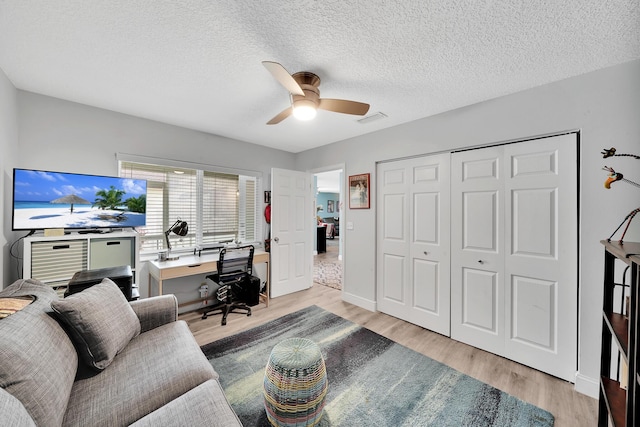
(330, 204)
(359, 191)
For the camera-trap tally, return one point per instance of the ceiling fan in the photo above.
(305, 96)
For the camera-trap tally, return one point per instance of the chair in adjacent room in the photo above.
(238, 288)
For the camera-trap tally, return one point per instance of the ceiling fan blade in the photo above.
(283, 77)
(344, 106)
(281, 116)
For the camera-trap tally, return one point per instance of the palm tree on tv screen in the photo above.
(109, 199)
(137, 204)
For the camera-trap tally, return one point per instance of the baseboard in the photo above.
(587, 385)
(359, 301)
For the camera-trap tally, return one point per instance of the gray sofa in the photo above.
(143, 369)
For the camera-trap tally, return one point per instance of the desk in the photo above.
(189, 265)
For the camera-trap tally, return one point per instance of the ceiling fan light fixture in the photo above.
(304, 111)
(305, 96)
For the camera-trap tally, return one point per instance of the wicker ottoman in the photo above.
(295, 383)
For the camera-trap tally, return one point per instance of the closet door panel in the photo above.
(534, 227)
(480, 300)
(529, 299)
(542, 254)
(393, 239)
(429, 246)
(393, 269)
(480, 218)
(477, 252)
(426, 233)
(413, 246)
(514, 252)
(426, 218)
(426, 277)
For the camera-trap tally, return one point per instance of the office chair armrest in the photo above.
(155, 311)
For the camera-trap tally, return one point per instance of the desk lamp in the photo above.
(181, 229)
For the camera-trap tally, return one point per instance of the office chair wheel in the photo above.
(248, 314)
(224, 322)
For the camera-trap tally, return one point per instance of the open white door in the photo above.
(293, 223)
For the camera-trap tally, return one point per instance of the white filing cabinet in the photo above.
(54, 260)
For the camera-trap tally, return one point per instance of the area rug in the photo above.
(372, 380)
(328, 274)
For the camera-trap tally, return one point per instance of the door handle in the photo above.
(275, 239)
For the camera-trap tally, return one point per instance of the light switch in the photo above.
(349, 225)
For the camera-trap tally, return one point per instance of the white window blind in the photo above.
(210, 202)
(220, 207)
(249, 210)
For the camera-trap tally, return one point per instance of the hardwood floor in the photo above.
(331, 255)
(569, 407)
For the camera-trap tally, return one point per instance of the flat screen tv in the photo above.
(45, 199)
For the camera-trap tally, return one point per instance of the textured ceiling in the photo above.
(197, 63)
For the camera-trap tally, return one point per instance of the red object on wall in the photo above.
(267, 214)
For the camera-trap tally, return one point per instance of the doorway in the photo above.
(327, 260)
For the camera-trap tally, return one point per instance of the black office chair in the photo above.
(234, 276)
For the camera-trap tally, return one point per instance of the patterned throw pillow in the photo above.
(8, 306)
(100, 321)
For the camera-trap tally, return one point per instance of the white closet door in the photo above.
(514, 254)
(413, 228)
(541, 261)
(477, 249)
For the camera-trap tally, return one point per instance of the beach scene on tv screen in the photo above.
(63, 200)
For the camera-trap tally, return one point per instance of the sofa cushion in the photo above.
(155, 311)
(100, 321)
(155, 368)
(12, 411)
(38, 361)
(205, 405)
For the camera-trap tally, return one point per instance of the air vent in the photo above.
(372, 118)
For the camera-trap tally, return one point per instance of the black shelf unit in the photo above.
(617, 406)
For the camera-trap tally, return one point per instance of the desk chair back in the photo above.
(235, 264)
(234, 273)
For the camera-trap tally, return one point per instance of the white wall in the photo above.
(71, 137)
(603, 105)
(8, 148)
(65, 136)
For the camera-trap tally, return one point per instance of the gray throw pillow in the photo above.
(100, 321)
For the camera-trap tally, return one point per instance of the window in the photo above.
(218, 207)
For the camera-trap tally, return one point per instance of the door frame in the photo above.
(343, 234)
